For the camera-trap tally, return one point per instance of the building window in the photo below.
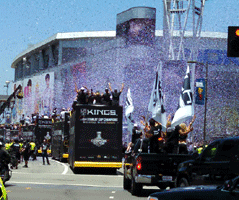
(55, 52)
(70, 54)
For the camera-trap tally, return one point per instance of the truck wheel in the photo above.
(135, 187)
(126, 183)
(183, 182)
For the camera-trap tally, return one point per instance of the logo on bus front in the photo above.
(85, 111)
(98, 141)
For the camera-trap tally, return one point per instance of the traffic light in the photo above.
(233, 41)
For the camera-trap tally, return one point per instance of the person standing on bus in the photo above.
(44, 148)
(116, 95)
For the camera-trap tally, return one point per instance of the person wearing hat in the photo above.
(115, 95)
(81, 96)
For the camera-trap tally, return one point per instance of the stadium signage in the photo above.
(214, 57)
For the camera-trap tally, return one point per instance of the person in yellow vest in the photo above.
(21, 149)
(32, 154)
(200, 149)
(7, 145)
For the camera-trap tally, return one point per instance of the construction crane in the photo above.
(17, 93)
(182, 18)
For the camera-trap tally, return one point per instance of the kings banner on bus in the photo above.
(185, 109)
(156, 101)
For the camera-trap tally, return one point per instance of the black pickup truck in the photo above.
(152, 169)
(218, 162)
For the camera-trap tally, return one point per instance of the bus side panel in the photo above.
(72, 141)
(57, 140)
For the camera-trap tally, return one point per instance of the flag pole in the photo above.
(205, 112)
(205, 107)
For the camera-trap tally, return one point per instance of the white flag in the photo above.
(185, 110)
(156, 101)
(129, 108)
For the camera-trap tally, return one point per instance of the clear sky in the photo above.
(24, 22)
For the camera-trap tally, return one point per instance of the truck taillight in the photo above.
(138, 163)
(139, 166)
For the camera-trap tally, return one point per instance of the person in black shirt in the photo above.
(91, 97)
(136, 133)
(5, 159)
(15, 151)
(116, 95)
(155, 133)
(97, 98)
(26, 152)
(44, 148)
(81, 95)
(106, 98)
(176, 136)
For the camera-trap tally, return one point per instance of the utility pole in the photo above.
(205, 112)
(6, 85)
(205, 103)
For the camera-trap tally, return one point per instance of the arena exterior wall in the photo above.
(116, 61)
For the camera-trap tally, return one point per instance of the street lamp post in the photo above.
(6, 85)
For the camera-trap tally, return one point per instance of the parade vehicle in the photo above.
(218, 162)
(2, 134)
(151, 169)
(60, 138)
(11, 134)
(43, 130)
(27, 132)
(229, 191)
(96, 137)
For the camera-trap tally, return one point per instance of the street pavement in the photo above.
(57, 181)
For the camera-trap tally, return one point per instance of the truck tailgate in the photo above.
(166, 164)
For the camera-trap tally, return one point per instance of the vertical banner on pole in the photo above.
(200, 91)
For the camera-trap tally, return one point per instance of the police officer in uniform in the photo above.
(32, 152)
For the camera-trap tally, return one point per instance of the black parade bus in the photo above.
(43, 130)
(60, 138)
(96, 137)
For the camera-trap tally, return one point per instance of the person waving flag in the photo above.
(185, 109)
